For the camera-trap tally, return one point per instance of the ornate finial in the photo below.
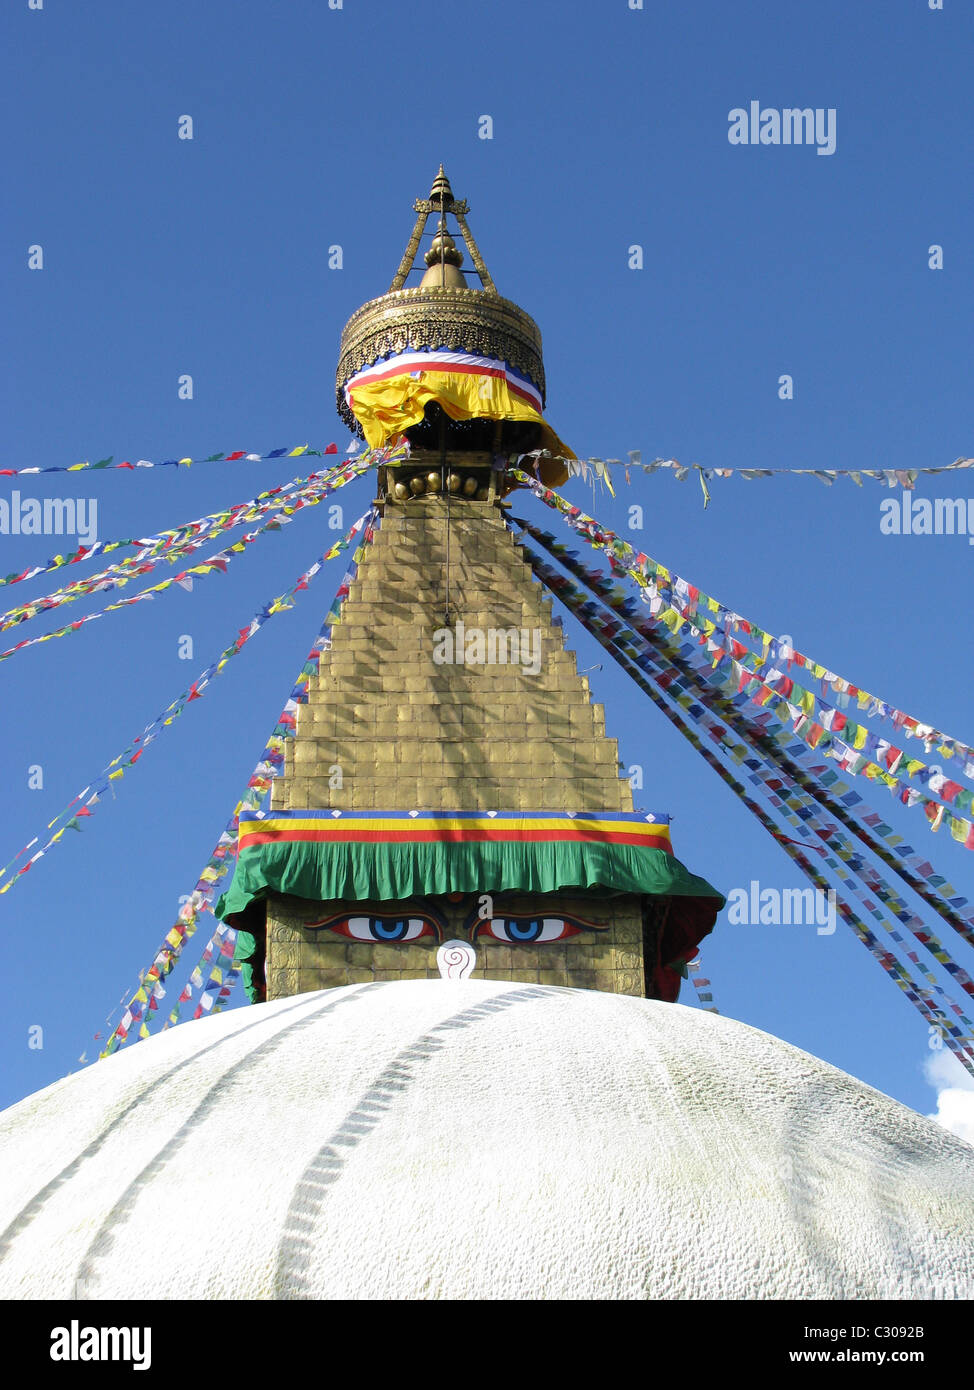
(441, 192)
(455, 960)
(441, 198)
(443, 248)
(444, 252)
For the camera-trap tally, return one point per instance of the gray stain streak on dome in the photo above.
(295, 1255)
(100, 1248)
(23, 1218)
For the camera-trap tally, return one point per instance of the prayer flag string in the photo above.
(775, 739)
(600, 468)
(179, 539)
(793, 803)
(217, 563)
(81, 805)
(300, 451)
(692, 604)
(702, 987)
(272, 765)
(217, 970)
(801, 703)
(571, 596)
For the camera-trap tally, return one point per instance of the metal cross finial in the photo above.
(441, 200)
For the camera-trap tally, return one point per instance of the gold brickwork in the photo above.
(387, 728)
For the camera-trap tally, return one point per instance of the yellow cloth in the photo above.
(389, 405)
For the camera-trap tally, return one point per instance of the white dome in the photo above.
(476, 1139)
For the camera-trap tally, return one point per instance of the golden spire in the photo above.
(441, 192)
(444, 261)
(443, 258)
(441, 200)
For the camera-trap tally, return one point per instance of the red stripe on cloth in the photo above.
(338, 836)
(435, 365)
(451, 368)
(534, 401)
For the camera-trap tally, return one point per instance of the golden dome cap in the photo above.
(442, 311)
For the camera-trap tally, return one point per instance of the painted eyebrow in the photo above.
(337, 918)
(567, 918)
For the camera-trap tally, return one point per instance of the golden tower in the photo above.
(447, 691)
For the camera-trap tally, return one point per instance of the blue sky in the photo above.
(315, 127)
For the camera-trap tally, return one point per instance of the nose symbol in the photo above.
(455, 960)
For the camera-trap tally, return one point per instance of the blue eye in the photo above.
(527, 929)
(381, 928)
(523, 931)
(388, 929)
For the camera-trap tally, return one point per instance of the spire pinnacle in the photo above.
(444, 252)
(441, 193)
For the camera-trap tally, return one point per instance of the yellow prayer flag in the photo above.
(959, 828)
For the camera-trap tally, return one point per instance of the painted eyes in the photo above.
(514, 929)
(378, 926)
(382, 928)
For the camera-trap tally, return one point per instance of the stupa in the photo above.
(555, 1126)
(450, 777)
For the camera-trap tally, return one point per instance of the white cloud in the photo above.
(955, 1093)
